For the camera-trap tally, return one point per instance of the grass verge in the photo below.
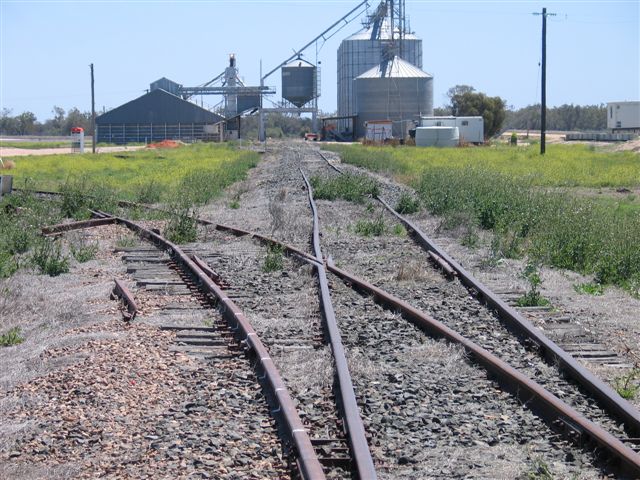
(200, 171)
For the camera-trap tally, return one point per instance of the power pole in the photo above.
(543, 102)
(93, 114)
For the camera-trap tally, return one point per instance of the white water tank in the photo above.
(437, 136)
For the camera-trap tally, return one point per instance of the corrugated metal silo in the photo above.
(394, 90)
(365, 50)
(299, 82)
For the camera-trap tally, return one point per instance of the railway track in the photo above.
(184, 289)
(529, 350)
(401, 376)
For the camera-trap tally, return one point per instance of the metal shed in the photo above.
(155, 116)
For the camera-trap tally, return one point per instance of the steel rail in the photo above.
(606, 396)
(528, 391)
(121, 291)
(567, 416)
(306, 458)
(351, 413)
(66, 227)
(264, 239)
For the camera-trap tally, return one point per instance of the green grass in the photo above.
(182, 179)
(35, 145)
(351, 187)
(83, 251)
(127, 241)
(274, 260)
(527, 201)
(200, 171)
(11, 337)
(589, 288)
(49, 259)
(407, 204)
(625, 385)
(370, 228)
(561, 166)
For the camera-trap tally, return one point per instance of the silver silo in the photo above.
(365, 50)
(394, 90)
(299, 82)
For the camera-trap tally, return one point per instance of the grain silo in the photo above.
(385, 33)
(394, 90)
(299, 79)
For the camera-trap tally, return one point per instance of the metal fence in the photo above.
(153, 132)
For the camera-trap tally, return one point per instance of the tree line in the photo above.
(564, 118)
(464, 100)
(27, 123)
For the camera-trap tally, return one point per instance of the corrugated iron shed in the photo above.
(158, 107)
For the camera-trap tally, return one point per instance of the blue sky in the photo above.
(46, 47)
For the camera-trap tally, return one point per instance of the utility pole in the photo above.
(93, 114)
(543, 102)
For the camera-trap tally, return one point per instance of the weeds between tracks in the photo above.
(508, 192)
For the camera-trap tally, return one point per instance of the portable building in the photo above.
(623, 117)
(155, 116)
(471, 128)
(440, 136)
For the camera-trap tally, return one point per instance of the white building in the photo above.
(471, 129)
(623, 117)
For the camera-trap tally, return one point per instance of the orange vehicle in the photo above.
(311, 136)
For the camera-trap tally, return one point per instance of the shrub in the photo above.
(589, 288)
(149, 192)
(350, 187)
(11, 337)
(182, 226)
(83, 252)
(370, 228)
(532, 298)
(79, 196)
(274, 259)
(407, 204)
(49, 259)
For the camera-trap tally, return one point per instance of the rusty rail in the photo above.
(605, 395)
(548, 402)
(350, 412)
(66, 227)
(529, 392)
(121, 291)
(308, 463)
